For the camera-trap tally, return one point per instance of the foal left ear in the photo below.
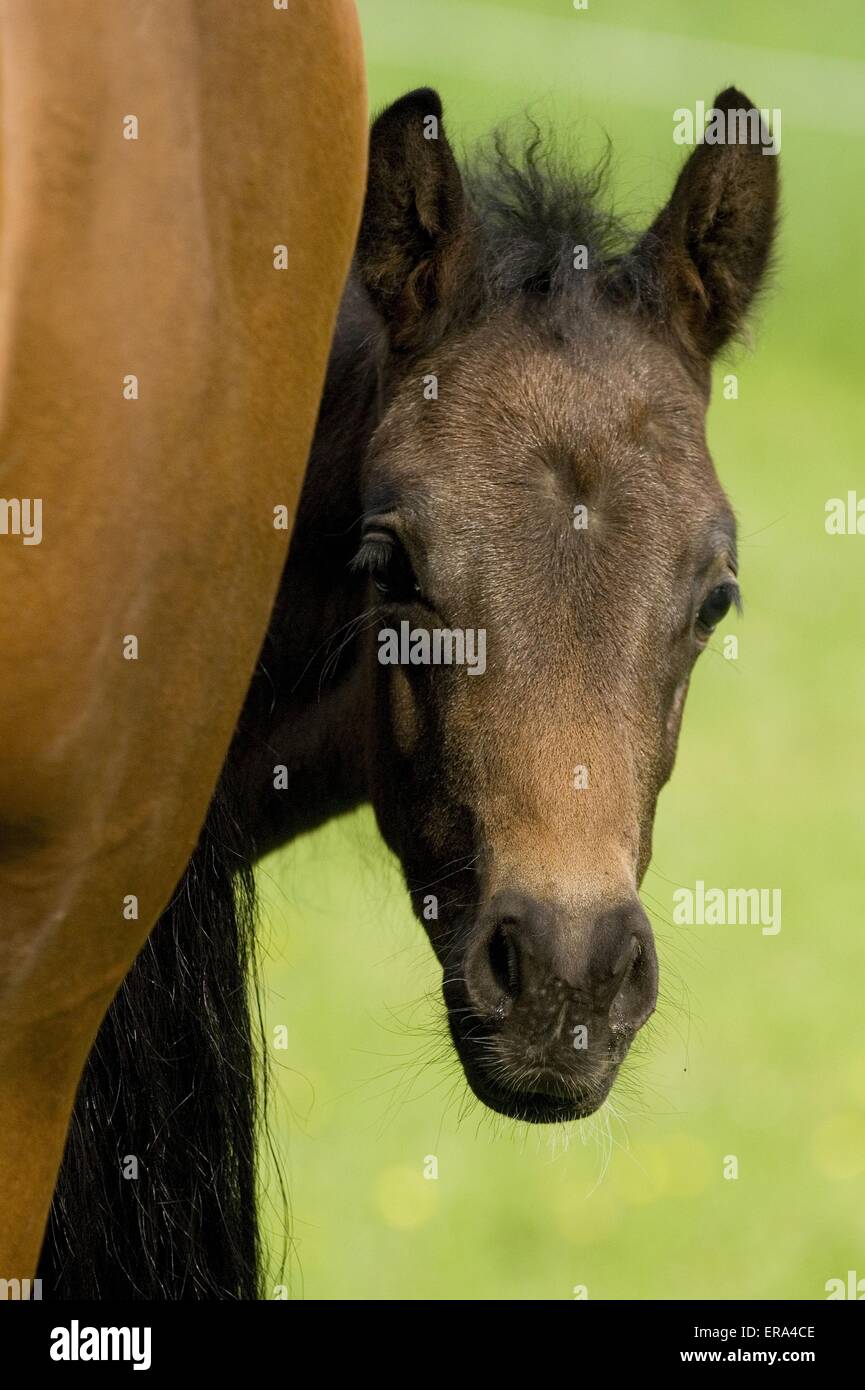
(710, 246)
(413, 247)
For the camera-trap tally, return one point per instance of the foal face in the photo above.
(559, 499)
(540, 477)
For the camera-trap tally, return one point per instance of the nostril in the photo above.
(504, 961)
(637, 990)
(627, 961)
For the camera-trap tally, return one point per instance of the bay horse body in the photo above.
(159, 382)
(487, 389)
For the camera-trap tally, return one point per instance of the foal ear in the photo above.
(413, 243)
(710, 246)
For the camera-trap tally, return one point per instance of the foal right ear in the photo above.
(413, 246)
(709, 248)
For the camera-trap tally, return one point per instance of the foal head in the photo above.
(540, 483)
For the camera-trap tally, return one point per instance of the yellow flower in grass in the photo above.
(838, 1145)
(405, 1198)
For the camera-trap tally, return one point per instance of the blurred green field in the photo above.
(758, 1048)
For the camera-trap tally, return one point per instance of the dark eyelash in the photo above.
(373, 556)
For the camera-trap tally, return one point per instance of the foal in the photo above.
(512, 443)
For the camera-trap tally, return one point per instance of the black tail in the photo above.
(171, 1084)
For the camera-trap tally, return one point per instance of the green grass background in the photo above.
(758, 1049)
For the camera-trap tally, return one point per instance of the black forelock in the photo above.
(534, 207)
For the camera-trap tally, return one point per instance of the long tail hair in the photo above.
(156, 1197)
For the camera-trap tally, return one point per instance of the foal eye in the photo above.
(384, 559)
(716, 606)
